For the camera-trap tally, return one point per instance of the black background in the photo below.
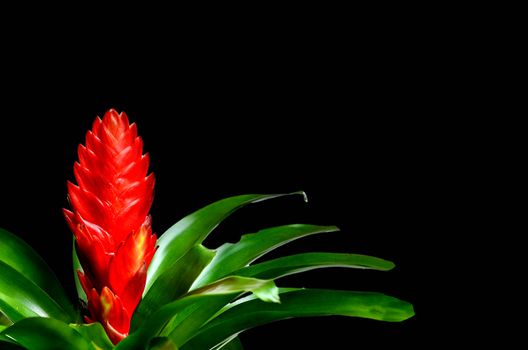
(347, 118)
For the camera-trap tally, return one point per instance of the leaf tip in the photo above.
(401, 311)
(389, 265)
(407, 313)
(268, 292)
(302, 193)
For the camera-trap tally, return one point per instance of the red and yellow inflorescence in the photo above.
(111, 222)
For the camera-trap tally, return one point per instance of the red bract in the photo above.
(110, 221)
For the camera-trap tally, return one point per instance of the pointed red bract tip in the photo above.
(110, 220)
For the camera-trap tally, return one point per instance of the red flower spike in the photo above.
(110, 221)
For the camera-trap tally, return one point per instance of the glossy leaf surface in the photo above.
(231, 257)
(301, 303)
(193, 229)
(298, 263)
(46, 334)
(172, 284)
(187, 320)
(21, 298)
(21, 257)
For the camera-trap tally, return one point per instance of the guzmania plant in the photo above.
(138, 291)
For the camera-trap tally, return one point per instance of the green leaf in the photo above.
(265, 290)
(187, 314)
(232, 343)
(21, 298)
(231, 257)
(292, 264)
(21, 257)
(185, 325)
(250, 297)
(76, 267)
(96, 334)
(4, 321)
(139, 339)
(193, 229)
(300, 303)
(162, 343)
(46, 334)
(173, 283)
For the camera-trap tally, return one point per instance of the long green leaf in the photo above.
(184, 325)
(46, 334)
(173, 283)
(231, 257)
(21, 298)
(250, 297)
(21, 257)
(4, 321)
(302, 303)
(292, 264)
(187, 320)
(165, 316)
(193, 229)
(95, 333)
(232, 343)
(263, 289)
(162, 343)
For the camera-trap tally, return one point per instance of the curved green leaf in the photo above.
(21, 257)
(46, 334)
(292, 264)
(193, 229)
(300, 303)
(250, 297)
(77, 267)
(173, 283)
(233, 256)
(96, 334)
(233, 343)
(184, 325)
(4, 321)
(154, 325)
(21, 298)
(188, 313)
(162, 343)
(265, 290)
